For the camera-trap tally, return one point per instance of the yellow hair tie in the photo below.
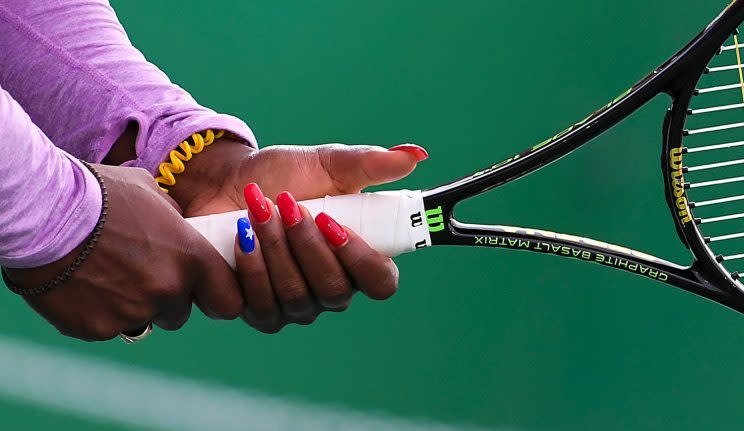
(187, 151)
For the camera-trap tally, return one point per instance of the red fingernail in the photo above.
(288, 209)
(257, 205)
(418, 152)
(333, 231)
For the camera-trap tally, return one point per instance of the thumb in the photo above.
(352, 168)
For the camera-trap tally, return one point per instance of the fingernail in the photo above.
(246, 237)
(333, 231)
(419, 152)
(288, 209)
(256, 201)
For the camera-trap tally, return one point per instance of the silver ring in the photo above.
(131, 339)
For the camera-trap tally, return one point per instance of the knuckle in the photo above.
(304, 319)
(390, 283)
(179, 324)
(386, 282)
(232, 310)
(270, 326)
(208, 312)
(137, 312)
(336, 290)
(295, 296)
(171, 323)
(169, 290)
(339, 307)
(102, 331)
(381, 280)
(262, 314)
(268, 329)
(73, 334)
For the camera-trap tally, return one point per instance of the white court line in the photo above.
(116, 393)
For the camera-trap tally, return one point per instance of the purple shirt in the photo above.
(71, 67)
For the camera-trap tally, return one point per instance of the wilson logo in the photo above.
(434, 219)
(678, 185)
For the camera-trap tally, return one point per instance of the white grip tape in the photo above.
(392, 223)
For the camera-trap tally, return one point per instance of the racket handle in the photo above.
(392, 223)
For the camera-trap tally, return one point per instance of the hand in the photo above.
(148, 266)
(214, 180)
(295, 270)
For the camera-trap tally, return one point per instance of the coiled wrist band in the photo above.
(183, 153)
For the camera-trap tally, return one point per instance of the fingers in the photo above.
(292, 267)
(215, 290)
(261, 307)
(353, 168)
(323, 272)
(374, 274)
(287, 280)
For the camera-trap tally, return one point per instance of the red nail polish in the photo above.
(333, 231)
(288, 209)
(418, 152)
(257, 205)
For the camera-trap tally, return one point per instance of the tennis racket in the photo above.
(700, 155)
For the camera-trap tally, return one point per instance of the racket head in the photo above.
(702, 165)
(678, 77)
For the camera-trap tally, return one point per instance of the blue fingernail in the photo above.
(246, 237)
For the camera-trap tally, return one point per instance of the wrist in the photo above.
(209, 171)
(123, 149)
(30, 278)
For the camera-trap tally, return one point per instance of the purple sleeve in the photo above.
(49, 202)
(72, 67)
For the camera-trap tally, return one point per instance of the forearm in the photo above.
(49, 202)
(73, 68)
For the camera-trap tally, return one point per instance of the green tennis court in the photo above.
(474, 339)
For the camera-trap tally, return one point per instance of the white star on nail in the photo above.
(249, 233)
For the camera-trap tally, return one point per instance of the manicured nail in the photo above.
(418, 152)
(333, 231)
(257, 204)
(288, 209)
(246, 237)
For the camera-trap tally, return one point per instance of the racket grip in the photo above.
(392, 222)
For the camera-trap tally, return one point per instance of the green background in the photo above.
(484, 337)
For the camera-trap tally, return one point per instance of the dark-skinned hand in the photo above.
(148, 266)
(300, 267)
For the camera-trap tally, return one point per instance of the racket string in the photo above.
(710, 70)
(736, 47)
(715, 89)
(713, 165)
(716, 201)
(724, 146)
(690, 185)
(715, 109)
(718, 128)
(733, 46)
(713, 160)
